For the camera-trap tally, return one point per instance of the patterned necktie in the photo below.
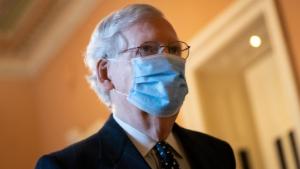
(165, 156)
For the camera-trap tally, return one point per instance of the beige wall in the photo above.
(18, 129)
(36, 114)
(289, 13)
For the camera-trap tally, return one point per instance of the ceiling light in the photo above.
(255, 41)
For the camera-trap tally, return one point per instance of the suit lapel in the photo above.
(117, 151)
(131, 158)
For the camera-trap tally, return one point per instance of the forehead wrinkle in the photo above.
(150, 29)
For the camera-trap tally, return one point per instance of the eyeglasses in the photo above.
(148, 48)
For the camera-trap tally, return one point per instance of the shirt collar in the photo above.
(144, 143)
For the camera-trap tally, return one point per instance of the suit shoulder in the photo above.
(47, 162)
(84, 146)
(81, 153)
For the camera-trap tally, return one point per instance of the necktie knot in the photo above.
(165, 156)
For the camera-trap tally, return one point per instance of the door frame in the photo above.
(212, 38)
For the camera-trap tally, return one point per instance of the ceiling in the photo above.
(32, 30)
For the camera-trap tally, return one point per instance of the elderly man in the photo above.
(137, 69)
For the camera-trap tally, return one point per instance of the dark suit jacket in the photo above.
(110, 148)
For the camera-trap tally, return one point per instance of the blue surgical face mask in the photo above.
(158, 86)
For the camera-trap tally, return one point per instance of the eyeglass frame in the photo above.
(161, 48)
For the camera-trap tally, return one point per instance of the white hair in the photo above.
(107, 40)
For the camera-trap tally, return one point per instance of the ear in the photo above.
(102, 75)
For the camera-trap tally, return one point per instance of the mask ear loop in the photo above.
(119, 92)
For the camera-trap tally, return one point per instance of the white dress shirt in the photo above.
(144, 145)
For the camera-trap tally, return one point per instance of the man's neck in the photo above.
(156, 128)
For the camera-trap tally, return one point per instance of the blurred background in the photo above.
(46, 103)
